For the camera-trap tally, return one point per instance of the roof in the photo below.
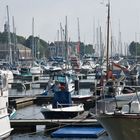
(20, 46)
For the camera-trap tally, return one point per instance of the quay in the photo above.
(21, 102)
(50, 124)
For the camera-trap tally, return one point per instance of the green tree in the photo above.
(21, 40)
(89, 49)
(86, 49)
(134, 48)
(41, 46)
(4, 37)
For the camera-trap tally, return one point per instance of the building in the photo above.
(58, 48)
(24, 53)
(19, 53)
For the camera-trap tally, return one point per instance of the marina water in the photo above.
(33, 112)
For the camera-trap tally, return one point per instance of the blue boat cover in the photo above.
(62, 97)
(79, 132)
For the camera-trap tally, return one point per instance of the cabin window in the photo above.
(109, 84)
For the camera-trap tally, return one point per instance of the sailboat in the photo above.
(121, 124)
(35, 68)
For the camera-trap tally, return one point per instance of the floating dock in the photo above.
(22, 102)
(78, 132)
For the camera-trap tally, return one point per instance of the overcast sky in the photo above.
(49, 13)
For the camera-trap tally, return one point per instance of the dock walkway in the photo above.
(30, 125)
(17, 122)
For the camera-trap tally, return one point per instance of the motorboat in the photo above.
(60, 79)
(75, 63)
(16, 72)
(55, 67)
(25, 73)
(88, 67)
(36, 70)
(5, 128)
(62, 107)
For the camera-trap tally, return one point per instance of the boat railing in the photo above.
(111, 104)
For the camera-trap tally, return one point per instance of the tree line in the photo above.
(40, 45)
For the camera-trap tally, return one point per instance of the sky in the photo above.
(48, 14)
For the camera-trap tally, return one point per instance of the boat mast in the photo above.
(94, 46)
(120, 51)
(33, 46)
(100, 42)
(108, 21)
(61, 32)
(9, 37)
(15, 57)
(57, 44)
(38, 46)
(78, 49)
(62, 40)
(66, 44)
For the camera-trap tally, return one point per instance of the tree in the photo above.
(89, 49)
(134, 48)
(21, 40)
(41, 45)
(4, 37)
